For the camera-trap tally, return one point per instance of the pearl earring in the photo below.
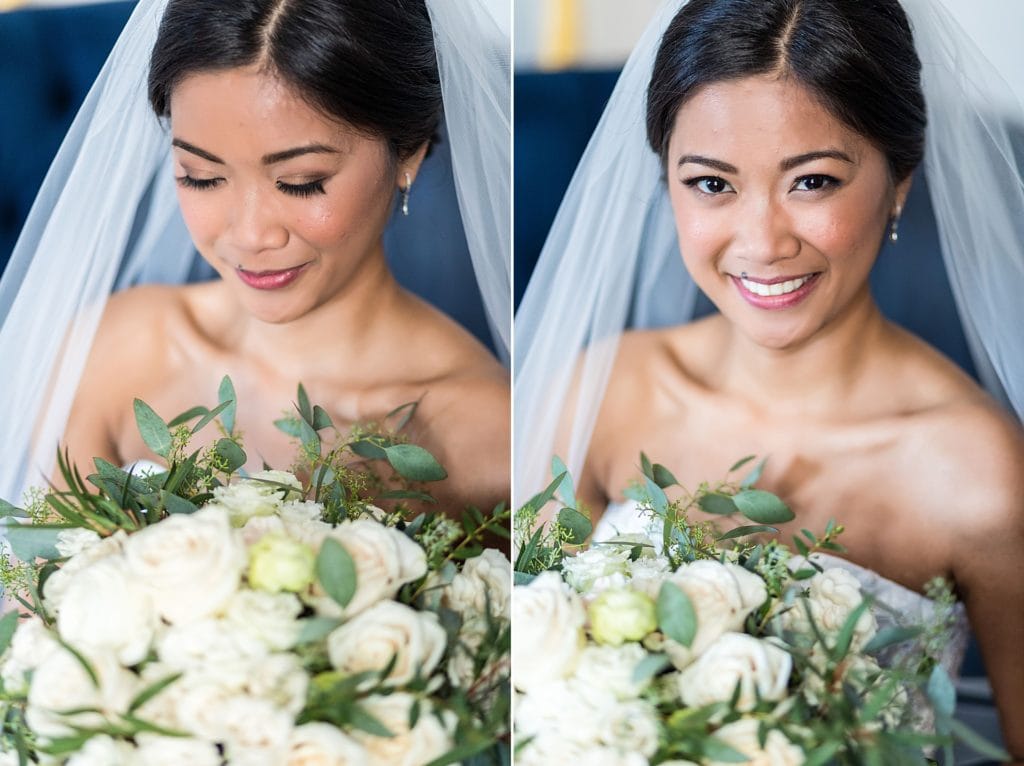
(405, 195)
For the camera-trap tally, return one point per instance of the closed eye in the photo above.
(201, 184)
(816, 182)
(302, 190)
(710, 185)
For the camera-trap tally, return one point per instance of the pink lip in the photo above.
(776, 302)
(270, 280)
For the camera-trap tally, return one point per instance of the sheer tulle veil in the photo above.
(611, 260)
(106, 217)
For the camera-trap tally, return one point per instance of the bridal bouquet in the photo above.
(198, 616)
(691, 645)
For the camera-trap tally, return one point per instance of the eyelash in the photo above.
(827, 182)
(296, 190)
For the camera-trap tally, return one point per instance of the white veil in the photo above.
(106, 217)
(611, 260)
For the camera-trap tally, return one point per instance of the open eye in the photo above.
(201, 184)
(710, 185)
(302, 190)
(815, 182)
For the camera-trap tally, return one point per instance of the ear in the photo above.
(410, 165)
(900, 197)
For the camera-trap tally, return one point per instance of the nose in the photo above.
(764, 233)
(256, 222)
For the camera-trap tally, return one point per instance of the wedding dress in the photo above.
(106, 218)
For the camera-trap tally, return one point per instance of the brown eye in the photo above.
(710, 185)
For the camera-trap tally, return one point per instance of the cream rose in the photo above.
(385, 559)
(631, 727)
(646, 575)
(722, 596)
(832, 596)
(155, 750)
(205, 643)
(61, 683)
(777, 751)
(548, 617)
(102, 750)
(105, 609)
(485, 579)
(760, 668)
(570, 710)
(612, 668)
(56, 584)
(256, 496)
(71, 542)
(271, 618)
(597, 569)
(31, 644)
(256, 726)
(320, 744)
(190, 564)
(430, 738)
(388, 629)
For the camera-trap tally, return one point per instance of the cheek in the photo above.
(325, 225)
(849, 229)
(203, 217)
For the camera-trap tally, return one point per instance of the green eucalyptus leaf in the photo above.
(662, 476)
(8, 510)
(151, 691)
(762, 507)
(289, 426)
(310, 438)
(845, 637)
(676, 616)
(645, 466)
(361, 719)
(565, 489)
(8, 624)
(716, 750)
(31, 541)
(543, 498)
(414, 463)
(209, 416)
(314, 629)
(176, 504)
(649, 667)
(231, 453)
(579, 526)
(321, 419)
(305, 410)
(523, 578)
(226, 395)
(336, 571)
(187, 415)
(407, 411)
(717, 503)
(741, 462)
(941, 692)
(407, 494)
(754, 476)
(657, 496)
(463, 753)
(894, 634)
(977, 743)
(751, 529)
(368, 449)
(153, 429)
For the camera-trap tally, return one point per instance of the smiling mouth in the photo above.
(270, 280)
(773, 289)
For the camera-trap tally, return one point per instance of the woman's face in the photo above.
(287, 205)
(779, 207)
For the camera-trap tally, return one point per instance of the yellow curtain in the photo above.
(561, 35)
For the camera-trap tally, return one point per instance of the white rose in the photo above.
(611, 756)
(430, 738)
(199, 700)
(320, 744)
(549, 748)
(611, 668)
(156, 750)
(759, 667)
(255, 727)
(388, 629)
(548, 618)
(777, 751)
(272, 618)
(647, 573)
(104, 608)
(31, 645)
(385, 560)
(256, 528)
(191, 564)
(631, 727)
(572, 710)
(596, 569)
(9, 758)
(301, 511)
(256, 496)
(71, 542)
(102, 750)
(485, 579)
(722, 596)
(56, 584)
(208, 642)
(832, 596)
(61, 683)
(281, 679)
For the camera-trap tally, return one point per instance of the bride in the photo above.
(786, 133)
(294, 132)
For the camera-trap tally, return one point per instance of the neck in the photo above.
(349, 322)
(818, 377)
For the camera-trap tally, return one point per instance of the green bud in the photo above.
(279, 563)
(620, 615)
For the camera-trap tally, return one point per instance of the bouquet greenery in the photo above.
(196, 614)
(692, 645)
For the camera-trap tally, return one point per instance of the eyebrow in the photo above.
(787, 164)
(267, 159)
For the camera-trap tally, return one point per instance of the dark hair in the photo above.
(369, 63)
(856, 56)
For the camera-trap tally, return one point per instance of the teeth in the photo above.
(778, 288)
